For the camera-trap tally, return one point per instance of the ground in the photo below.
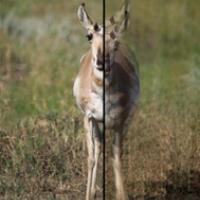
(43, 152)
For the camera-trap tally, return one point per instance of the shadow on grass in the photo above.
(178, 186)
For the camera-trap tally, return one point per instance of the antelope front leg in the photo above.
(117, 147)
(90, 146)
(93, 144)
(97, 145)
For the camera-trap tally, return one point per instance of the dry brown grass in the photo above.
(42, 148)
(162, 155)
(43, 158)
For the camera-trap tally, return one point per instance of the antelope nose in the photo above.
(99, 62)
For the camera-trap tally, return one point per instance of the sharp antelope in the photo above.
(121, 91)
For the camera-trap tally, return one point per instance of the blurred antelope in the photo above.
(121, 92)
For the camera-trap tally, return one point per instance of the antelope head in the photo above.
(114, 27)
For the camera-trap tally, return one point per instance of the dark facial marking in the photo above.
(107, 60)
(112, 35)
(116, 46)
(89, 36)
(112, 20)
(99, 58)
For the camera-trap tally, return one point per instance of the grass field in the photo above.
(42, 145)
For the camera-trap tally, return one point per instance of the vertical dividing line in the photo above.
(104, 109)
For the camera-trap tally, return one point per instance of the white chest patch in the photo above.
(95, 107)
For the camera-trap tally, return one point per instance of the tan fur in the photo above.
(121, 94)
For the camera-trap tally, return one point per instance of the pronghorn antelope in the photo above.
(121, 92)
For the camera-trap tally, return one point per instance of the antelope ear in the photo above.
(119, 22)
(124, 24)
(83, 17)
(119, 16)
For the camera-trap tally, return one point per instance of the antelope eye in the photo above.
(89, 36)
(116, 46)
(96, 27)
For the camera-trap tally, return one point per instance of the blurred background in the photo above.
(42, 144)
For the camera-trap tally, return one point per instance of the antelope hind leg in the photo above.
(119, 184)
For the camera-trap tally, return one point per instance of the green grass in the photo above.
(42, 147)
